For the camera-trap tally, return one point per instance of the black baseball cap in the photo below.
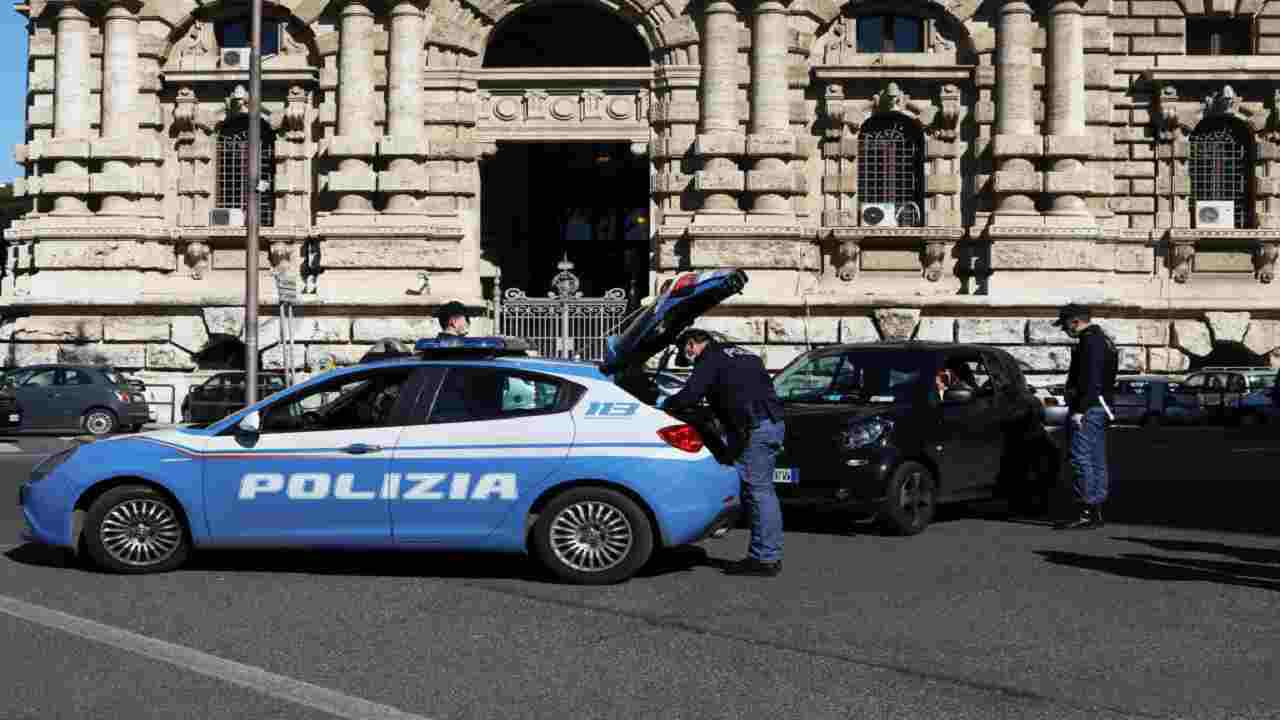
(453, 308)
(1070, 312)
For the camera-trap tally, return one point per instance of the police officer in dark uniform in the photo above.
(1089, 392)
(454, 320)
(741, 394)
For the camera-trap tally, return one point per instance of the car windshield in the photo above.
(860, 377)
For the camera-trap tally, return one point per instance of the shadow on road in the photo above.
(423, 564)
(1172, 569)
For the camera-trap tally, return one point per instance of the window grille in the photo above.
(890, 34)
(1219, 36)
(891, 167)
(1221, 165)
(233, 170)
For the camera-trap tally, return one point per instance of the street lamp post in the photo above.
(254, 214)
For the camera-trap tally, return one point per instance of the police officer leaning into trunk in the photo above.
(1090, 390)
(741, 394)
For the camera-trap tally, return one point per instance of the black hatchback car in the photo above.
(223, 394)
(896, 429)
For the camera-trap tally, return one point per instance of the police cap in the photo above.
(1070, 312)
(451, 309)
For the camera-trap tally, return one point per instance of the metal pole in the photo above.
(254, 209)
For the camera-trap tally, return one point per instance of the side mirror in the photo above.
(251, 423)
(957, 396)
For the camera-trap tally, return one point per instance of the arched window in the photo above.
(891, 168)
(233, 168)
(890, 34)
(235, 33)
(1221, 166)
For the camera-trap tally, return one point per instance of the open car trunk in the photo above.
(655, 329)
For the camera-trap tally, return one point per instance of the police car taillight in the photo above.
(685, 282)
(682, 437)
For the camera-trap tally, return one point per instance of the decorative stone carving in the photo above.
(185, 112)
(1264, 261)
(565, 284)
(199, 41)
(846, 259)
(1180, 256)
(947, 121)
(281, 254)
(311, 265)
(932, 259)
(290, 44)
(196, 254)
(237, 103)
(891, 99)
(1165, 115)
(833, 109)
(294, 121)
(1223, 102)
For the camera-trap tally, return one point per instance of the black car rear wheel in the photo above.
(911, 500)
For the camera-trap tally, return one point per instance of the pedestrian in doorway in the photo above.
(1090, 386)
(741, 394)
(454, 319)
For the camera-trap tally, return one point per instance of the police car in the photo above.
(467, 445)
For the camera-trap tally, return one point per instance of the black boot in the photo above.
(1097, 515)
(753, 567)
(1082, 521)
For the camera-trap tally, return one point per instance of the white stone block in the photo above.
(167, 356)
(343, 355)
(1133, 359)
(1263, 336)
(858, 330)
(1042, 358)
(190, 333)
(897, 324)
(936, 329)
(24, 354)
(273, 357)
(406, 329)
(224, 320)
(1192, 336)
(391, 253)
(1167, 360)
(740, 329)
(1228, 326)
(803, 329)
(136, 328)
(776, 357)
(65, 329)
(1042, 332)
(128, 356)
(322, 330)
(995, 331)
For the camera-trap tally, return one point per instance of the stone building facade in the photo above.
(949, 170)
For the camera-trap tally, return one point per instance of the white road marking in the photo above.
(1255, 450)
(254, 678)
(7, 448)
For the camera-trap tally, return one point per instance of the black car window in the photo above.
(850, 377)
(967, 372)
(1235, 383)
(42, 378)
(479, 393)
(350, 402)
(1195, 382)
(997, 371)
(76, 377)
(274, 383)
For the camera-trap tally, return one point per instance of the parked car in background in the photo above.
(10, 415)
(96, 399)
(1219, 390)
(223, 394)
(875, 429)
(1154, 400)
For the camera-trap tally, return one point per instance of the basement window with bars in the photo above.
(1221, 166)
(891, 168)
(1219, 36)
(233, 169)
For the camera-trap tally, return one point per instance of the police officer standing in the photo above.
(741, 395)
(454, 320)
(1090, 389)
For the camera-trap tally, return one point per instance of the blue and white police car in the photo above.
(466, 445)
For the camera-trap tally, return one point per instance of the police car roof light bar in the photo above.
(482, 346)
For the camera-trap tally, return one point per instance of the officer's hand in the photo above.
(1077, 420)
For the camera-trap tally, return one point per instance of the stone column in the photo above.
(1016, 141)
(1068, 144)
(71, 117)
(119, 95)
(404, 103)
(720, 139)
(771, 142)
(355, 102)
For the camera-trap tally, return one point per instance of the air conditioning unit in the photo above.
(1215, 214)
(226, 217)
(237, 58)
(880, 214)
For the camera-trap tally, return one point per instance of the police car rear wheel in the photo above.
(593, 536)
(135, 529)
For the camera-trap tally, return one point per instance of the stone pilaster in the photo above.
(770, 144)
(71, 118)
(120, 77)
(355, 143)
(1016, 180)
(1067, 146)
(720, 141)
(674, 87)
(404, 177)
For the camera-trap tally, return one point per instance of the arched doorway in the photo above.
(566, 181)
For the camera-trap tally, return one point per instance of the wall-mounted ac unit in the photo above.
(226, 217)
(1215, 214)
(237, 58)
(879, 214)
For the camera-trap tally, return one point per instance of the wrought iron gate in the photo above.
(563, 324)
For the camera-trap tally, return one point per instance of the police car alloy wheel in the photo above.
(912, 498)
(593, 536)
(135, 529)
(99, 421)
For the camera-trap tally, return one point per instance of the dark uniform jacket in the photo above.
(736, 386)
(1094, 364)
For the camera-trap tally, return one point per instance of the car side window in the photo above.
(1193, 383)
(349, 402)
(477, 393)
(76, 377)
(968, 372)
(43, 378)
(1235, 383)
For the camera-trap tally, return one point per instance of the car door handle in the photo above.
(361, 449)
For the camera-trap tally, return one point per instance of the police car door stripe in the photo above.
(248, 676)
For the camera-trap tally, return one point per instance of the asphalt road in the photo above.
(1171, 611)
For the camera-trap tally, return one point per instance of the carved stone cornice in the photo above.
(939, 117)
(1174, 118)
(1264, 245)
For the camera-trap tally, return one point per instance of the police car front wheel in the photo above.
(135, 529)
(593, 536)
